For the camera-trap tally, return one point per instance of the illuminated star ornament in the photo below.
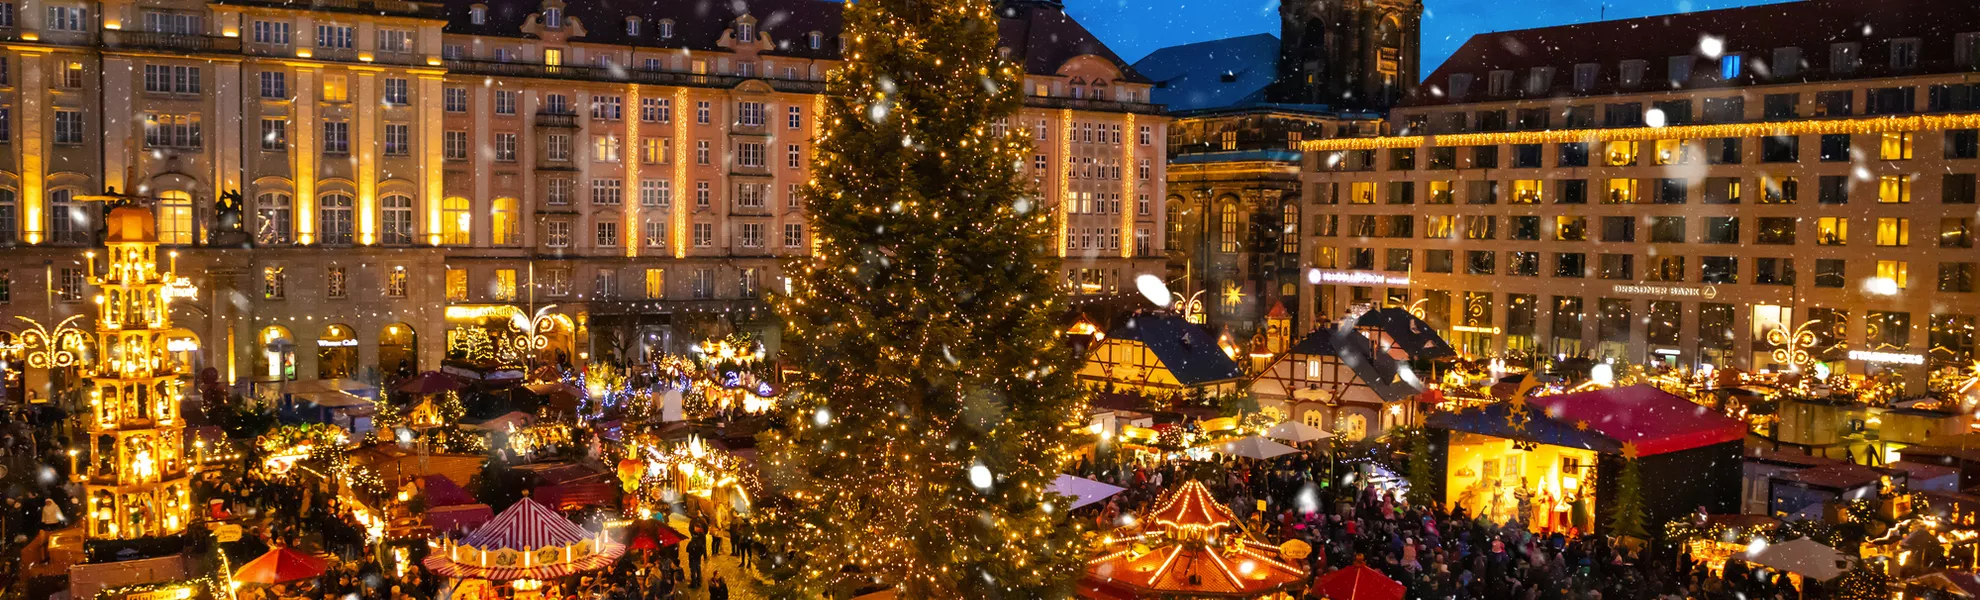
(1629, 451)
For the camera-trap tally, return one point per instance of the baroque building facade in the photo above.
(353, 184)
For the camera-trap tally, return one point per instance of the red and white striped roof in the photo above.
(526, 525)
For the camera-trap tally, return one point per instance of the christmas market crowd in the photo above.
(1437, 554)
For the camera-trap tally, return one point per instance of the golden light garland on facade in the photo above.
(1130, 193)
(1677, 132)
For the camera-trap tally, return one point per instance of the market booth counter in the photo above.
(1552, 462)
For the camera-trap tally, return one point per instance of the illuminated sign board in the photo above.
(1316, 276)
(1674, 291)
(1475, 329)
(1887, 357)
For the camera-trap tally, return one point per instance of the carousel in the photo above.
(1192, 546)
(525, 545)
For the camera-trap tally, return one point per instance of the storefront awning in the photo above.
(1655, 421)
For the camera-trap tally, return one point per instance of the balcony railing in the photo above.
(554, 119)
(406, 8)
(179, 42)
(1093, 105)
(583, 73)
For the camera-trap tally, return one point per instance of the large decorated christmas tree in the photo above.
(936, 403)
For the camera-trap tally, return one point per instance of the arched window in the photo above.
(632, 26)
(175, 218)
(666, 28)
(1314, 419)
(1227, 227)
(553, 17)
(272, 218)
(478, 14)
(68, 220)
(746, 32)
(397, 225)
(505, 223)
(335, 212)
(456, 222)
(817, 40)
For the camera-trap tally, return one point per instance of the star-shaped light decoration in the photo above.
(1581, 426)
(1629, 450)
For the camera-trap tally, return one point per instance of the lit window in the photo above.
(1894, 189)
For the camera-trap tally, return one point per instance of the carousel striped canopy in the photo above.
(524, 526)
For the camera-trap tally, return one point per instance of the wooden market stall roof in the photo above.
(1604, 420)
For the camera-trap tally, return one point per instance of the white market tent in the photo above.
(1254, 447)
(1804, 557)
(1084, 491)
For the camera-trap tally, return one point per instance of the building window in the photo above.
(656, 284)
(1895, 271)
(701, 152)
(456, 221)
(702, 197)
(337, 37)
(396, 281)
(457, 285)
(398, 139)
(66, 18)
(704, 235)
(271, 32)
(793, 235)
(272, 218)
(1894, 189)
(606, 192)
(335, 280)
(656, 110)
(704, 284)
(454, 145)
(68, 127)
(749, 155)
(701, 110)
(396, 92)
(505, 147)
(274, 84)
(397, 226)
(274, 283)
(608, 234)
(750, 235)
(336, 137)
(334, 220)
(171, 131)
(1893, 232)
(558, 234)
(505, 102)
(174, 217)
(505, 222)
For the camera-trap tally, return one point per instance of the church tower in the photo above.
(1348, 54)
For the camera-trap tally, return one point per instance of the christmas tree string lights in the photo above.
(934, 402)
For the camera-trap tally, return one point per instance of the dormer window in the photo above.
(1680, 70)
(1497, 83)
(1787, 62)
(1730, 66)
(818, 41)
(1843, 57)
(1966, 50)
(1460, 85)
(478, 15)
(1904, 53)
(632, 26)
(1632, 73)
(553, 17)
(1584, 76)
(1539, 81)
(745, 33)
(666, 28)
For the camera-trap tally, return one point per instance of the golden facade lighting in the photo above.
(1128, 185)
(1681, 132)
(680, 215)
(1060, 221)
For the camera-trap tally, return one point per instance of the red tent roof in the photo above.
(526, 526)
(1358, 582)
(280, 565)
(1652, 419)
(441, 491)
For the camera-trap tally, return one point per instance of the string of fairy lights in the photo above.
(927, 426)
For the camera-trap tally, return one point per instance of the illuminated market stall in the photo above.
(1552, 462)
(1192, 546)
(520, 549)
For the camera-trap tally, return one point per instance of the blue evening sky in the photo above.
(1135, 28)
